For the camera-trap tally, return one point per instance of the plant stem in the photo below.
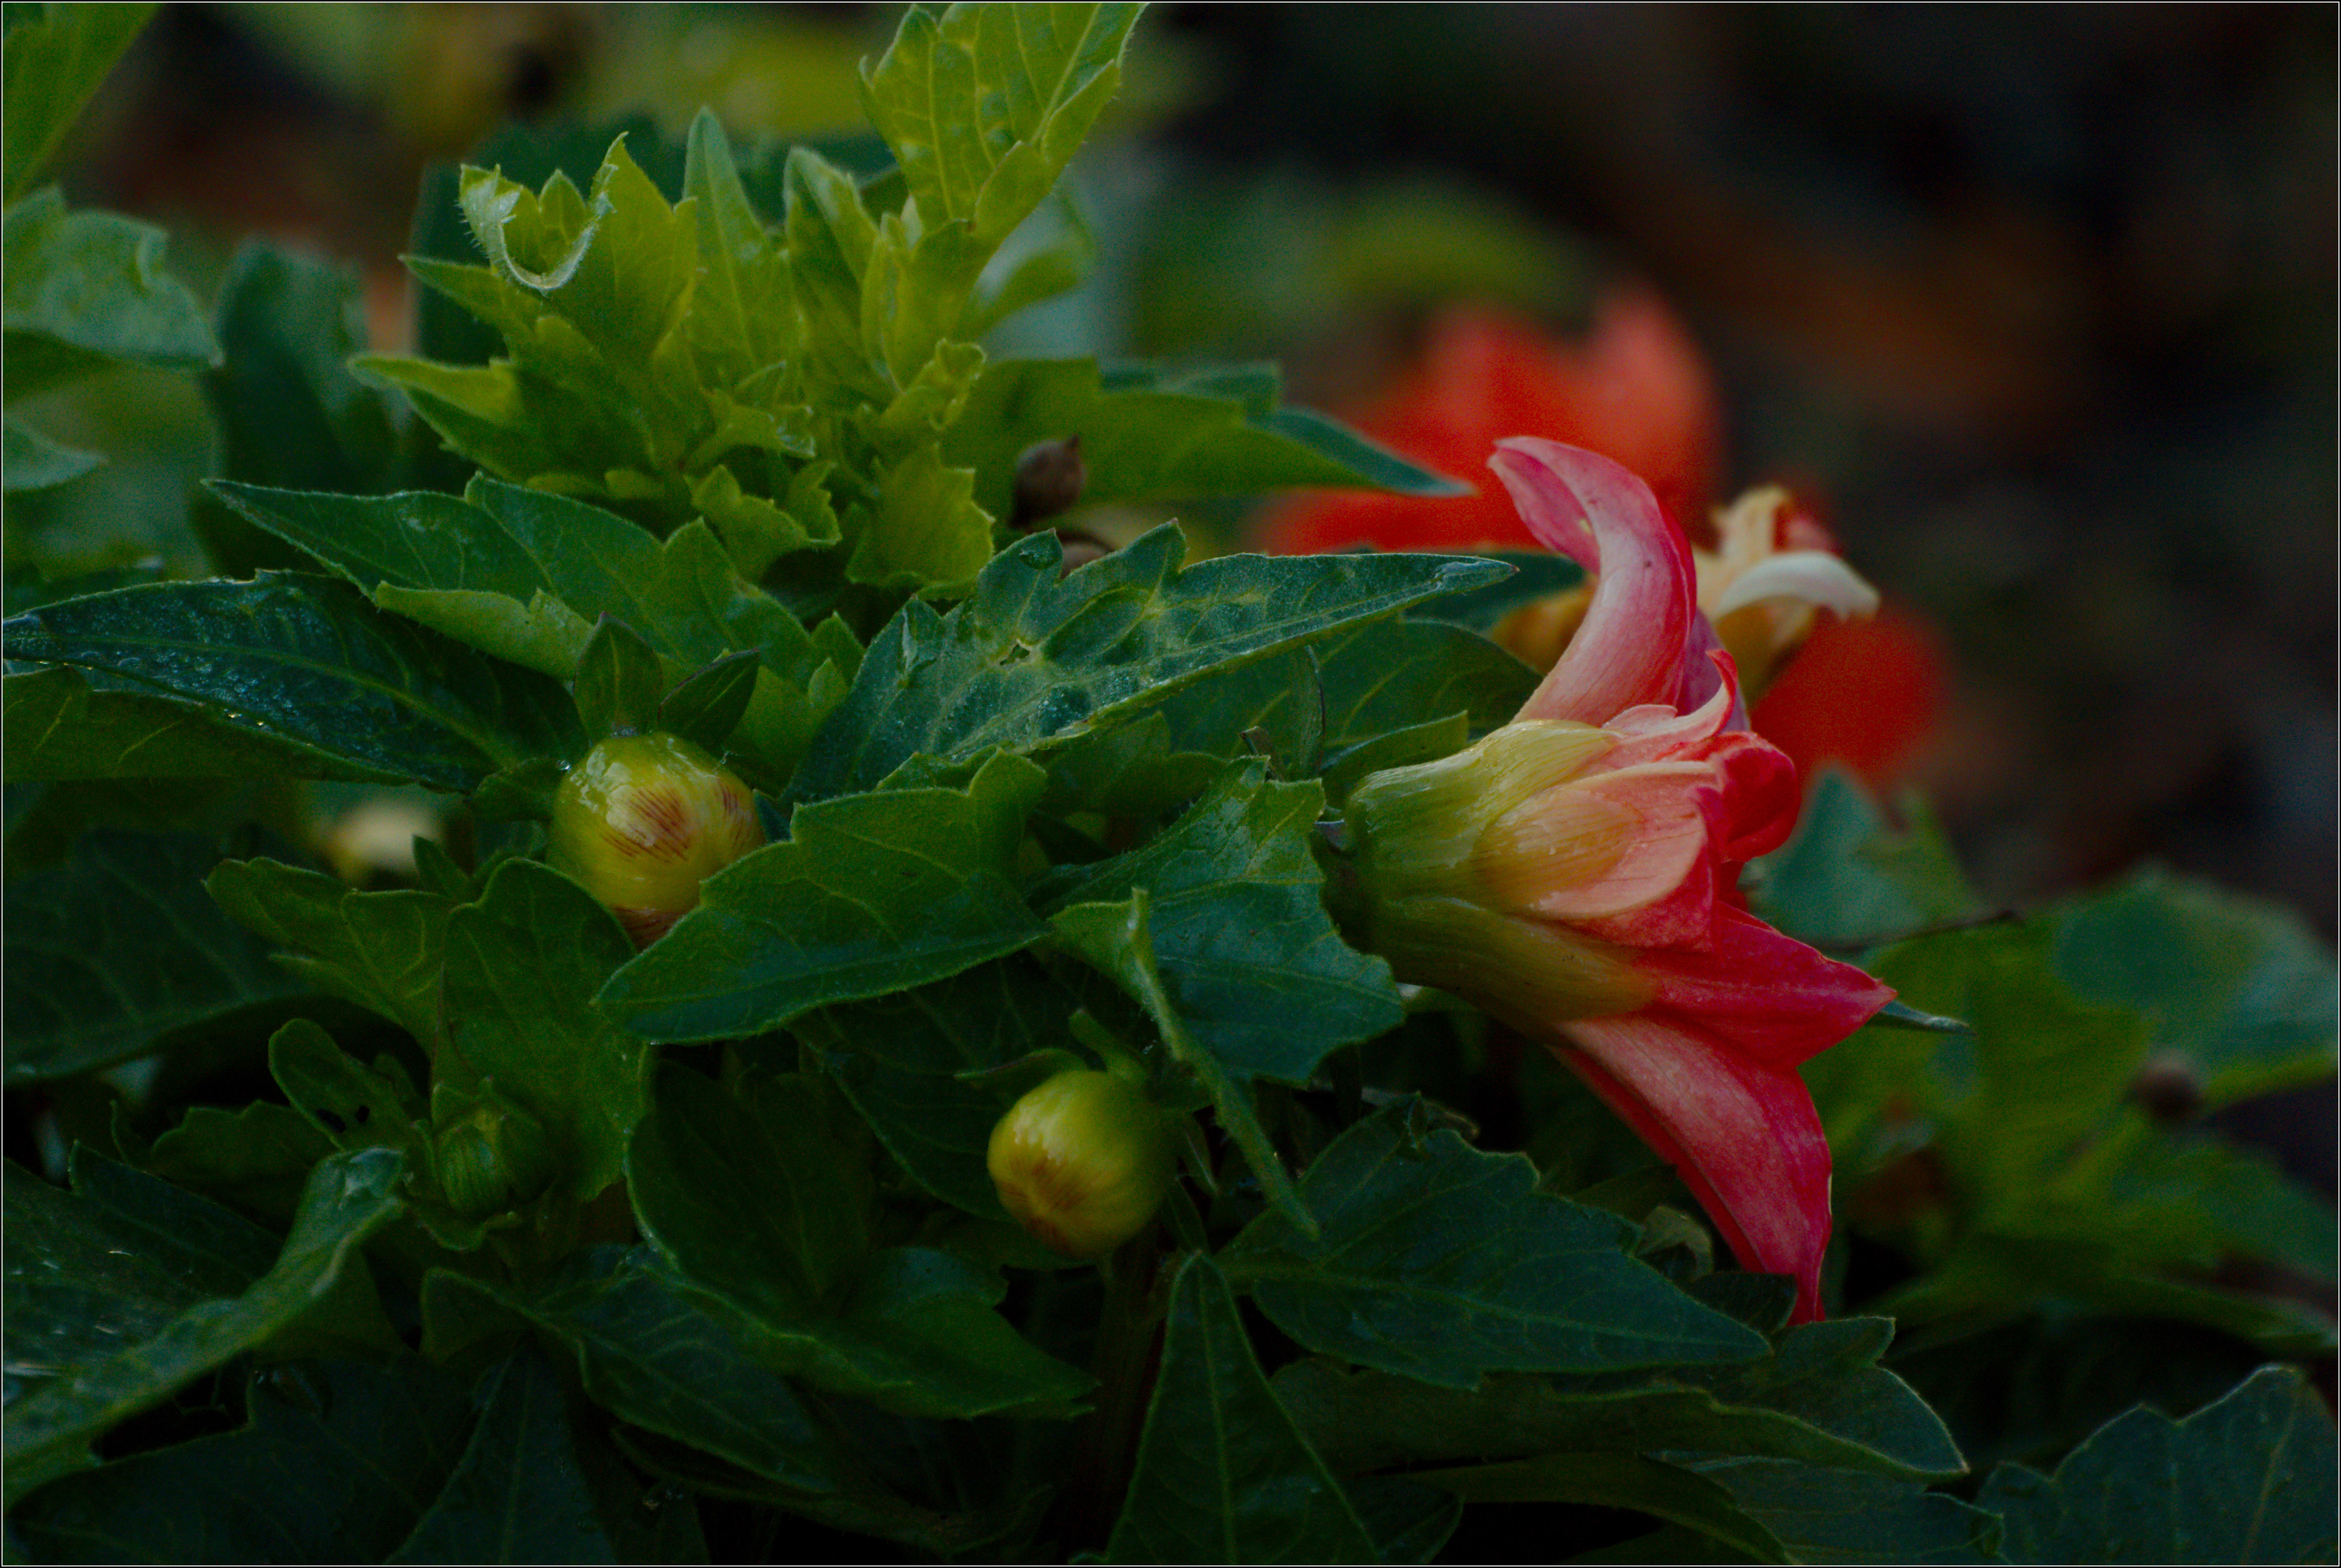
(1128, 1348)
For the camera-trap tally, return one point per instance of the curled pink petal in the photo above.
(1745, 1136)
(1629, 650)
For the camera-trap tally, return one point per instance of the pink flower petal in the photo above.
(1600, 846)
(1630, 649)
(1745, 1137)
(1765, 996)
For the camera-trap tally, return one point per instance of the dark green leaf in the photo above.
(619, 681)
(56, 59)
(705, 708)
(523, 966)
(1150, 436)
(1222, 1473)
(1437, 1261)
(381, 950)
(33, 462)
(899, 1059)
(648, 1357)
(793, 1275)
(872, 894)
(110, 953)
(59, 727)
(87, 289)
(2249, 1479)
(49, 1430)
(1819, 1398)
(2242, 992)
(1618, 1481)
(1030, 661)
(1536, 574)
(1849, 1516)
(338, 1460)
(1845, 880)
(309, 659)
(516, 1496)
(255, 1160)
(289, 411)
(1247, 952)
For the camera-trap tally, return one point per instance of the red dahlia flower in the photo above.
(1574, 872)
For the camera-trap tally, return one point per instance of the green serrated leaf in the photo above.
(56, 60)
(87, 289)
(903, 1061)
(308, 659)
(1536, 574)
(2242, 993)
(49, 1430)
(1849, 1516)
(1845, 880)
(925, 531)
(255, 1160)
(2249, 1479)
(1222, 1473)
(116, 951)
(523, 966)
(60, 726)
(1248, 953)
(1147, 435)
(517, 1494)
(796, 1279)
(1030, 662)
(706, 707)
(1437, 1261)
(1618, 1481)
(382, 950)
(871, 894)
(650, 1358)
(1821, 1398)
(332, 1465)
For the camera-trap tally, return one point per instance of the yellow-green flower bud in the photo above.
(491, 1159)
(643, 821)
(1083, 1161)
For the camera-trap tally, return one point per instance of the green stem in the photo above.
(1128, 1348)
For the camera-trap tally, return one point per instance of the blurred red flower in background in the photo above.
(1862, 693)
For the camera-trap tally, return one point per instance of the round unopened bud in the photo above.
(1083, 1161)
(491, 1159)
(643, 821)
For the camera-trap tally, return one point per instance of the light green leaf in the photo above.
(517, 1494)
(335, 1461)
(111, 953)
(308, 659)
(2249, 1479)
(49, 1430)
(523, 966)
(1030, 661)
(871, 894)
(1149, 435)
(33, 462)
(1222, 1473)
(925, 531)
(1437, 1261)
(87, 289)
(56, 59)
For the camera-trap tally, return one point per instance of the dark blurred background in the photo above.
(2034, 305)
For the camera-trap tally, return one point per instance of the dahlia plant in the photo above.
(695, 949)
